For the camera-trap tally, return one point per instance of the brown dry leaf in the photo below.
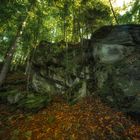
(88, 117)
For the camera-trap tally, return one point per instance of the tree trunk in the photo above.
(8, 60)
(113, 12)
(10, 54)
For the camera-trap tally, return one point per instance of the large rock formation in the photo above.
(59, 70)
(109, 62)
(117, 69)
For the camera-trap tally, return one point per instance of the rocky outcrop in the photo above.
(59, 70)
(117, 70)
(109, 62)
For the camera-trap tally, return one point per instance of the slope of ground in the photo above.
(89, 119)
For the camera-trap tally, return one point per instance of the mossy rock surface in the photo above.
(117, 69)
(110, 60)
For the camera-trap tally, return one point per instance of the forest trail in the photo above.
(89, 119)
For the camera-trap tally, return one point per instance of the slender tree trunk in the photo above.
(11, 52)
(113, 12)
(8, 59)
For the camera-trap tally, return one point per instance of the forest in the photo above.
(69, 70)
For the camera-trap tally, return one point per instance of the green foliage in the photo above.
(132, 14)
(28, 134)
(54, 21)
(34, 103)
(51, 119)
(15, 134)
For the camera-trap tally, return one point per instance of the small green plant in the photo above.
(15, 134)
(28, 134)
(51, 119)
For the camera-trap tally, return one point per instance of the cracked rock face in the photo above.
(110, 60)
(59, 72)
(117, 70)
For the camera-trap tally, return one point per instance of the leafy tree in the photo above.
(51, 20)
(13, 46)
(131, 14)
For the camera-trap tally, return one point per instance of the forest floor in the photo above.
(88, 119)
